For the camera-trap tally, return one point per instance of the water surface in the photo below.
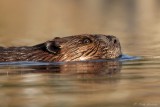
(80, 84)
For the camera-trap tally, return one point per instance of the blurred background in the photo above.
(135, 22)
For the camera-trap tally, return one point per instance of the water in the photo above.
(129, 81)
(132, 81)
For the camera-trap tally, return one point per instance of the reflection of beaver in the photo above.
(107, 67)
(72, 48)
(91, 68)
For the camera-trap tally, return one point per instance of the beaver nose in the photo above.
(112, 39)
(109, 37)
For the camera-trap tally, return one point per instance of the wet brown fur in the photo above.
(71, 48)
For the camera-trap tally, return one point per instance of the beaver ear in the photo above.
(53, 46)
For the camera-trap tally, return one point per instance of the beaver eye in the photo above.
(86, 40)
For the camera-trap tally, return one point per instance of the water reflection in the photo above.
(87, 67)
(58, 85)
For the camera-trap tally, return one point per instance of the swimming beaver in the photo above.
(72, 48)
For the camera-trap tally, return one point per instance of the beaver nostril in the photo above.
(114, 41)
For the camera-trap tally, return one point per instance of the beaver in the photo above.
(72, 48)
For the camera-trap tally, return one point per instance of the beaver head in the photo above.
(83, 47)
(72, 48)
